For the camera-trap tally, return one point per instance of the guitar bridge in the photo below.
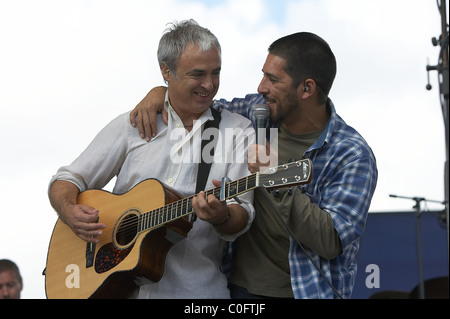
(90, 254)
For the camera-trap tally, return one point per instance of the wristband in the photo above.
(226, 219)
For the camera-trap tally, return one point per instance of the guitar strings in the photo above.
(160, 215)
(147, 220)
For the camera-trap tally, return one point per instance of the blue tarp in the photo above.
(389, 242)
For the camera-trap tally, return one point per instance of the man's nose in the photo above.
(263, 88)
(4, 292)
(208, 83)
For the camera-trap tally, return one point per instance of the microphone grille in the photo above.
(261, 110)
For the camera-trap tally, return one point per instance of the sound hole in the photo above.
(127, 230)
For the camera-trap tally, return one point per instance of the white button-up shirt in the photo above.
(192, 266)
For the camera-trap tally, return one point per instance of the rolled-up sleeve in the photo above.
(99, 162)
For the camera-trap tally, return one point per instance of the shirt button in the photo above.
(170, 180)
(178, 125)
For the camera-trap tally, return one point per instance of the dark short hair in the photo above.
(6, 264)
(307, 56)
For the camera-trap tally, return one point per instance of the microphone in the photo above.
(260, 113)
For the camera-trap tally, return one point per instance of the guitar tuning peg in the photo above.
(290, 191)
(276, 193)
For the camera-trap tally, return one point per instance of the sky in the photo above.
(68, 67)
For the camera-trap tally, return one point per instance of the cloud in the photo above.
(69, 67)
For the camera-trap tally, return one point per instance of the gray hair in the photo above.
(179, 36)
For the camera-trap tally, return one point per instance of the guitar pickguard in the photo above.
(109, 257)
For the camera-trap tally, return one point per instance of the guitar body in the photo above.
(141, 227)
(76, 269)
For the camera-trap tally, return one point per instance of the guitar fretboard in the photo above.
(183, 207)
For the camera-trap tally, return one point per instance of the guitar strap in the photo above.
(204, 167)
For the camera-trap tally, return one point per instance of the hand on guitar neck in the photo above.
(228, 219)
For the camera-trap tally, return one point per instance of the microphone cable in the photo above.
(300, 245)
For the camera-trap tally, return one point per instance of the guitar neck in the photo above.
(294, 173)
(183, 207)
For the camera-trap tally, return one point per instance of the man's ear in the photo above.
(307, 88)
(165, 71)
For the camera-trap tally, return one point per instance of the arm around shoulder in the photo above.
(144, 114)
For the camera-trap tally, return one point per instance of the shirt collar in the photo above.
(173, 116)
(328, 130)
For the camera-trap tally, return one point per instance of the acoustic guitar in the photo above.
(141, 227)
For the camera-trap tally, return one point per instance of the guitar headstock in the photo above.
(294, 173)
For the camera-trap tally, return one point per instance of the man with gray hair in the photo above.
(190, 61)
(305, 240)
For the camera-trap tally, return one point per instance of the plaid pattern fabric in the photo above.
(344, 181)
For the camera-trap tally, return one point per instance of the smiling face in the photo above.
(277, 89)
(196, 82)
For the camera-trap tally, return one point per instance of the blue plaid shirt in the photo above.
(344, 180)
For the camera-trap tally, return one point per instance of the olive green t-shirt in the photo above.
(261, 263)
